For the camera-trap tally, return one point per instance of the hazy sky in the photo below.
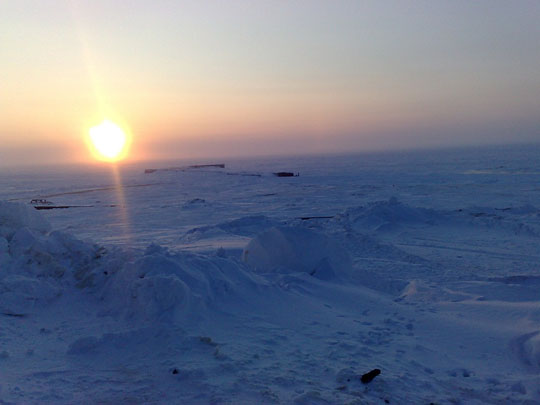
(196, 78)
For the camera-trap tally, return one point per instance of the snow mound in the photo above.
(35, 264)
(506, 219)
(49, 255)
(14, 216)
(527, 348)
(20, 295)
(38, 266)
(28, 247)
(166, 286)
(420, 292)
(532, 349)
(389, 215)
(195, 203)
(296, 249)
(249, 226)
(245, 226)
(363, 245)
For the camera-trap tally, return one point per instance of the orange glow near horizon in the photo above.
(108, 142)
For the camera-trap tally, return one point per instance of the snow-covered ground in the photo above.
(235, 286)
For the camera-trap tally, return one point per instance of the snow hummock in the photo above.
(39, 264)
(15, 216)
(296, 249)
(531, 348)
(160, 285)
(391, 214)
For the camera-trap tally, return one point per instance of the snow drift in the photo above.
(390, 215)
(162, 285)
(35, 263)
(14, 216)
(38, 265)
(297, 249)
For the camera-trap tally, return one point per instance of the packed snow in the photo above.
(211, 285)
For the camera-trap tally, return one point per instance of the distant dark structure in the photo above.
(43, 204)
(286, 174)
(183, 168)
(40, 201)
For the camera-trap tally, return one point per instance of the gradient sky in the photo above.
(210, 78)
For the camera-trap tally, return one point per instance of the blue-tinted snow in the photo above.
(216, 286)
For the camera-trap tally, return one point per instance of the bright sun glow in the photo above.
(108, 141)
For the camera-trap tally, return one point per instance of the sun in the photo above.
(108, 142)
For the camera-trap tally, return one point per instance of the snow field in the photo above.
(238, 300)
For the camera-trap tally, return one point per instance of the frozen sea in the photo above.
(232, 285)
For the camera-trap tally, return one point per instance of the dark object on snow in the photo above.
(308, 218)
(51, 207)
(13, 314)
(286, 174)
(220, 165)
(368, 377)
(56, 207)
(207, 340)
(175, 371)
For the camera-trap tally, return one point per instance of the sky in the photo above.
(195, 79)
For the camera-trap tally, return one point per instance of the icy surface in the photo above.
(235, 286)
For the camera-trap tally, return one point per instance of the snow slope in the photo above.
(211, 286)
